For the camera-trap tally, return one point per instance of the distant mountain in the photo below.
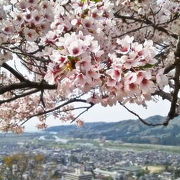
(132, 131)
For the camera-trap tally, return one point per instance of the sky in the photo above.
(110, 114)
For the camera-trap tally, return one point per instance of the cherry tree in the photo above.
(62, 56)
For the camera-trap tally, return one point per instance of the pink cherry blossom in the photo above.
(30, 34)
(124, 45)
(90, 52)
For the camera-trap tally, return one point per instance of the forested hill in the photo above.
(127, 131)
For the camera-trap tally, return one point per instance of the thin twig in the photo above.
(54, 109)
(82, 112)
(141, 119)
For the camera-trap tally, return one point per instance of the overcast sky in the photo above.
(109, 114)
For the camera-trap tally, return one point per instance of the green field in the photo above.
(140, 147)
(72, 143)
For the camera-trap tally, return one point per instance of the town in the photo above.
(46, 157)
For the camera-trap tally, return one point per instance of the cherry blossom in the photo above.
(92, 52)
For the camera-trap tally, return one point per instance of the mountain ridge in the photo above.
(131, 131)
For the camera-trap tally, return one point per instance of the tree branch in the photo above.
(56, 108)
(19, 96)
(91, 105)
(14, 72)
(163, 94)
(169, 68)
(172, 113)
(27, 84)
(141, 119)
(146, 21)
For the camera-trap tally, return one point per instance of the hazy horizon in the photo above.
(109, 114)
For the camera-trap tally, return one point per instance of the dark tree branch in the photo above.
(163, 94)
(141, 119)
(91, 105)
(57, 107)
(14, 72)
(27, 84)
(134, 30)
(172, 113)
(169, 68)
(22, 53)
(42, 99)
(177, 52)
(19, 96)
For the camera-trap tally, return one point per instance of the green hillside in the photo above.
(131, 131)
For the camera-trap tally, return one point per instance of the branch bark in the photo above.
(27, 84)
(172, 113)
(163, 94)
(14, 72)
